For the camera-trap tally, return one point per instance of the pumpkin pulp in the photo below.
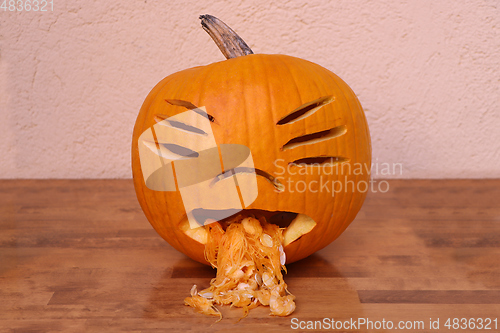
(249, 258)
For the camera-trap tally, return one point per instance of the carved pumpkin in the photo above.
(305, 130)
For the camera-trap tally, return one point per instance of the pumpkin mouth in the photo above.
(294, 225)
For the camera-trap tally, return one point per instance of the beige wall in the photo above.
(426, 72)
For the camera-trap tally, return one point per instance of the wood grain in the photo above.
(79, 256)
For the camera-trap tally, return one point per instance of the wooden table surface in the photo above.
(79, 256)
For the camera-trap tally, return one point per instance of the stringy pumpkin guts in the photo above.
(249, 258)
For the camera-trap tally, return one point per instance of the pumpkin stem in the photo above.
(228, 41)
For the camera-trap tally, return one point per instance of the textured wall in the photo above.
(426, 72)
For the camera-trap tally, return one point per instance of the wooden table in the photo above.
(79, 256)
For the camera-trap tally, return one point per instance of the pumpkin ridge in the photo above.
(137, 170)
(319, 87)
(355, 136)
(293, 80)
(284, 61)
(270, 101)
(205, 71)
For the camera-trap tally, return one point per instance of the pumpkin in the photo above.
(304, 130)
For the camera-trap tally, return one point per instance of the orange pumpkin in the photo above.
(303, 125)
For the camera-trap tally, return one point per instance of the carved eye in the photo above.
(189, 106)
(316, 137)
(301, 113)
(305, 110)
